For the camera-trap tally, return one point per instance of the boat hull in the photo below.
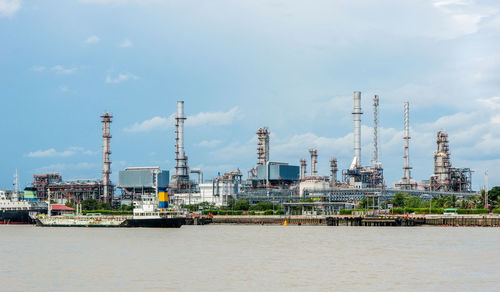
(17, 216)
(155, 222)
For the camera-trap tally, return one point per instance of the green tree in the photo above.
(451, 201)
(439, 202)
(363, 204)
(413, 202)
(241, 205)
(494, 197)
(399, 200)
(89, 204)
(263, 206)
(103, 206)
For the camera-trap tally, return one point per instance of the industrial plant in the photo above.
(274, 181)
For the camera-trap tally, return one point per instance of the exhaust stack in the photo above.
(356, 162)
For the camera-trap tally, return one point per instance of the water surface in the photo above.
(247, 257)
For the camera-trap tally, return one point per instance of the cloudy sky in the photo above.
(241, 65)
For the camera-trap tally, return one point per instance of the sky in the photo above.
(240, 65)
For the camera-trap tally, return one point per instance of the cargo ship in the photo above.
(153, 211)
(150, 212)
(19, 211)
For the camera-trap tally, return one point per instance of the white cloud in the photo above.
(119, 1)
(93, 39)
(462, 17)
(126, 43)
(58, 167)
(122, 77)
(59, 69)
(9, 7)
(51, 152)
(495, 119)
(156, 123)
(213, 118)
(492, 102)
(37, 68)
(200, 119)
(63, 88)
(234, 151)
(209, 143)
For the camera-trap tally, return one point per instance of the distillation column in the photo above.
(263, 146)
(314, 160)
(303, 168)
(440, 180)
(181, 167)
(333, 171)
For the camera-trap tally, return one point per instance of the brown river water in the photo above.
(248, 257)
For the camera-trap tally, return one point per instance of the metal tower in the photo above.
(356, 162)
(263, 146)
(406, 182)
(376, 163)
(314, 160)
(407, 168)
(106, 152)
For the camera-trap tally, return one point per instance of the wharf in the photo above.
(385, 220)
(321, 220)
(487, 220)
(275, 220)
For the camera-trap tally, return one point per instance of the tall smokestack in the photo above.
(356, 162)
(106, 152)
(314, 160)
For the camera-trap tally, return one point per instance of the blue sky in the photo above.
(241, 65)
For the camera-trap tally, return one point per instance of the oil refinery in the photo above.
(273, 181)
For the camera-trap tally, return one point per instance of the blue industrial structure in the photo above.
(278, 171)
(144, 177)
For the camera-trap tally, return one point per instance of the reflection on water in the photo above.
(260, 258)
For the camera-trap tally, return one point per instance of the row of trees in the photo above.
(235, 205)
(92, 204)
